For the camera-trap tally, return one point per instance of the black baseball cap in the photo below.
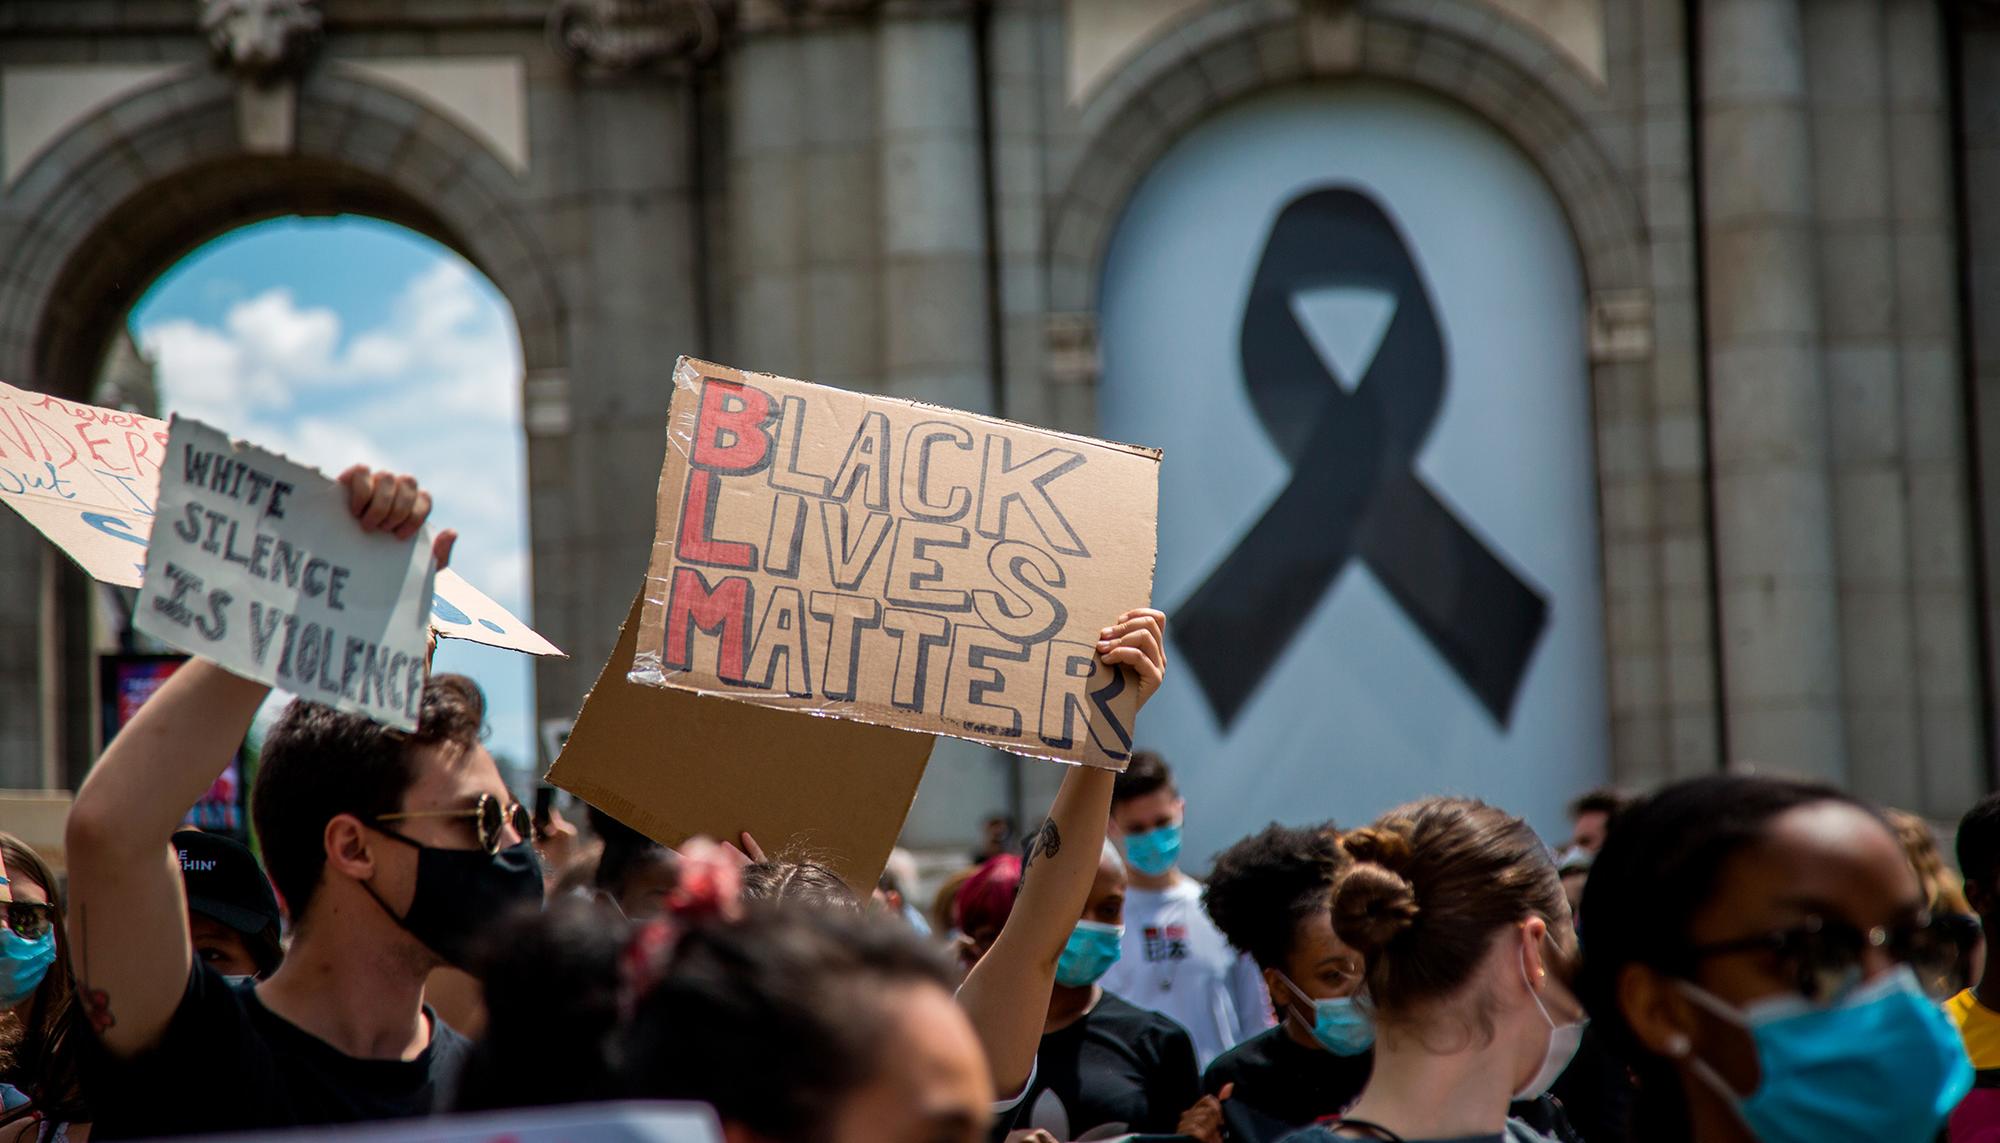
(225, 882)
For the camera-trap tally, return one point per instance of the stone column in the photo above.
(1925, 232)
(1858, 309)
(1767, 409)
(934, 307)
(767, 201)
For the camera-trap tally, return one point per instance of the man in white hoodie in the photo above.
(1175, 961)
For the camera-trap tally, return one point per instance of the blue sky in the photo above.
(347, 339)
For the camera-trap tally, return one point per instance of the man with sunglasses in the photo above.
(390, 850)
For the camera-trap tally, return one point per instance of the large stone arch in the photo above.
(124, 194)
(1519, 82)
(1664, 716)
(128, 191)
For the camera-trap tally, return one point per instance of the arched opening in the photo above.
(123, 198)
(347, 338)
(1354, 310)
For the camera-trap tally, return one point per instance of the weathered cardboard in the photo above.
(87, 478)
(257, 564)
(673, 765)
(880, 560)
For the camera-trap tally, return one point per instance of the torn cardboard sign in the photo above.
(258, 564)
(87, 478)
(875, 559)
(672, 765)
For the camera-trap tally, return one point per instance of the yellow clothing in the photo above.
(1979, 1026)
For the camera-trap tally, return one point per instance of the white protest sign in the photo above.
(258, 564)
(578, 1123)
(86, 477)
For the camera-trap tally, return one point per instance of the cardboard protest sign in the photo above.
(87, 477)
(672, 765)
(257, 563)
(875, 559)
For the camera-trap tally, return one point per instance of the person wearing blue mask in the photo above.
(1175, 961)
(40, 1040)
(1468, 958)
(1104, 1066)
(1270, 894)
(1749, 954)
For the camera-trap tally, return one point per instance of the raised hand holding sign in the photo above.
(288, 578)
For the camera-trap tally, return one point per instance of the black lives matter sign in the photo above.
(868, 558)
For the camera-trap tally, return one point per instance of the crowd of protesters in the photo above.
(1733, 958)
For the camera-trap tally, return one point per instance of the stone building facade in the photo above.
(1772, 303)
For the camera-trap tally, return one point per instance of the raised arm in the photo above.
(127, 915)
(1007, 992)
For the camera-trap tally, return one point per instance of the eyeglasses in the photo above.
(1823, 956)
(29, 920)
(487, 815)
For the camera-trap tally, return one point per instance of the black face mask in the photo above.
(461, 891)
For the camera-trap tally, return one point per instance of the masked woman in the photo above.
(1750, 954)
(39, 1040)
(1271, 894)
(1103, 1065)
(1467, 951)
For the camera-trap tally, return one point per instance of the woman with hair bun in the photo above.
(1467, 948)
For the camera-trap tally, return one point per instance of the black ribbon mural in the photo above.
(1354, 493)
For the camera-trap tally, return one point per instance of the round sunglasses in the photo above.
(29, 920)
(1823, 957)
(488, 816)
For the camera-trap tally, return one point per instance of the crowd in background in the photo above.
(1726, 959)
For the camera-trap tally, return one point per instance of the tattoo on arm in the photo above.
(1046, 843)
(96, 1004)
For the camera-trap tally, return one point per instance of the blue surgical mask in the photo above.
(1883, 1065)
(1339, 1024)
(23, 964)
(1155, 851)
(1091, 950)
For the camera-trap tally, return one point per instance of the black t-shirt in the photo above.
(1116, 1065)
(1281, 1085)
(227, 1063)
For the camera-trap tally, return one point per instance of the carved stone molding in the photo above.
(615, 37)
(786, 15)
(262, 41)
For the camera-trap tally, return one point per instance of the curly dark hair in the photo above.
(1264, 887)
(318, 763)
(775, 1019)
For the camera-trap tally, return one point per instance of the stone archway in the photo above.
(1526, 88)
(127, 192)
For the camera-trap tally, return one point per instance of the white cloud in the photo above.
(433, 390)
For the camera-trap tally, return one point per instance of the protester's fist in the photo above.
(1203, 1121)
(1138, 639)
(387, 502)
